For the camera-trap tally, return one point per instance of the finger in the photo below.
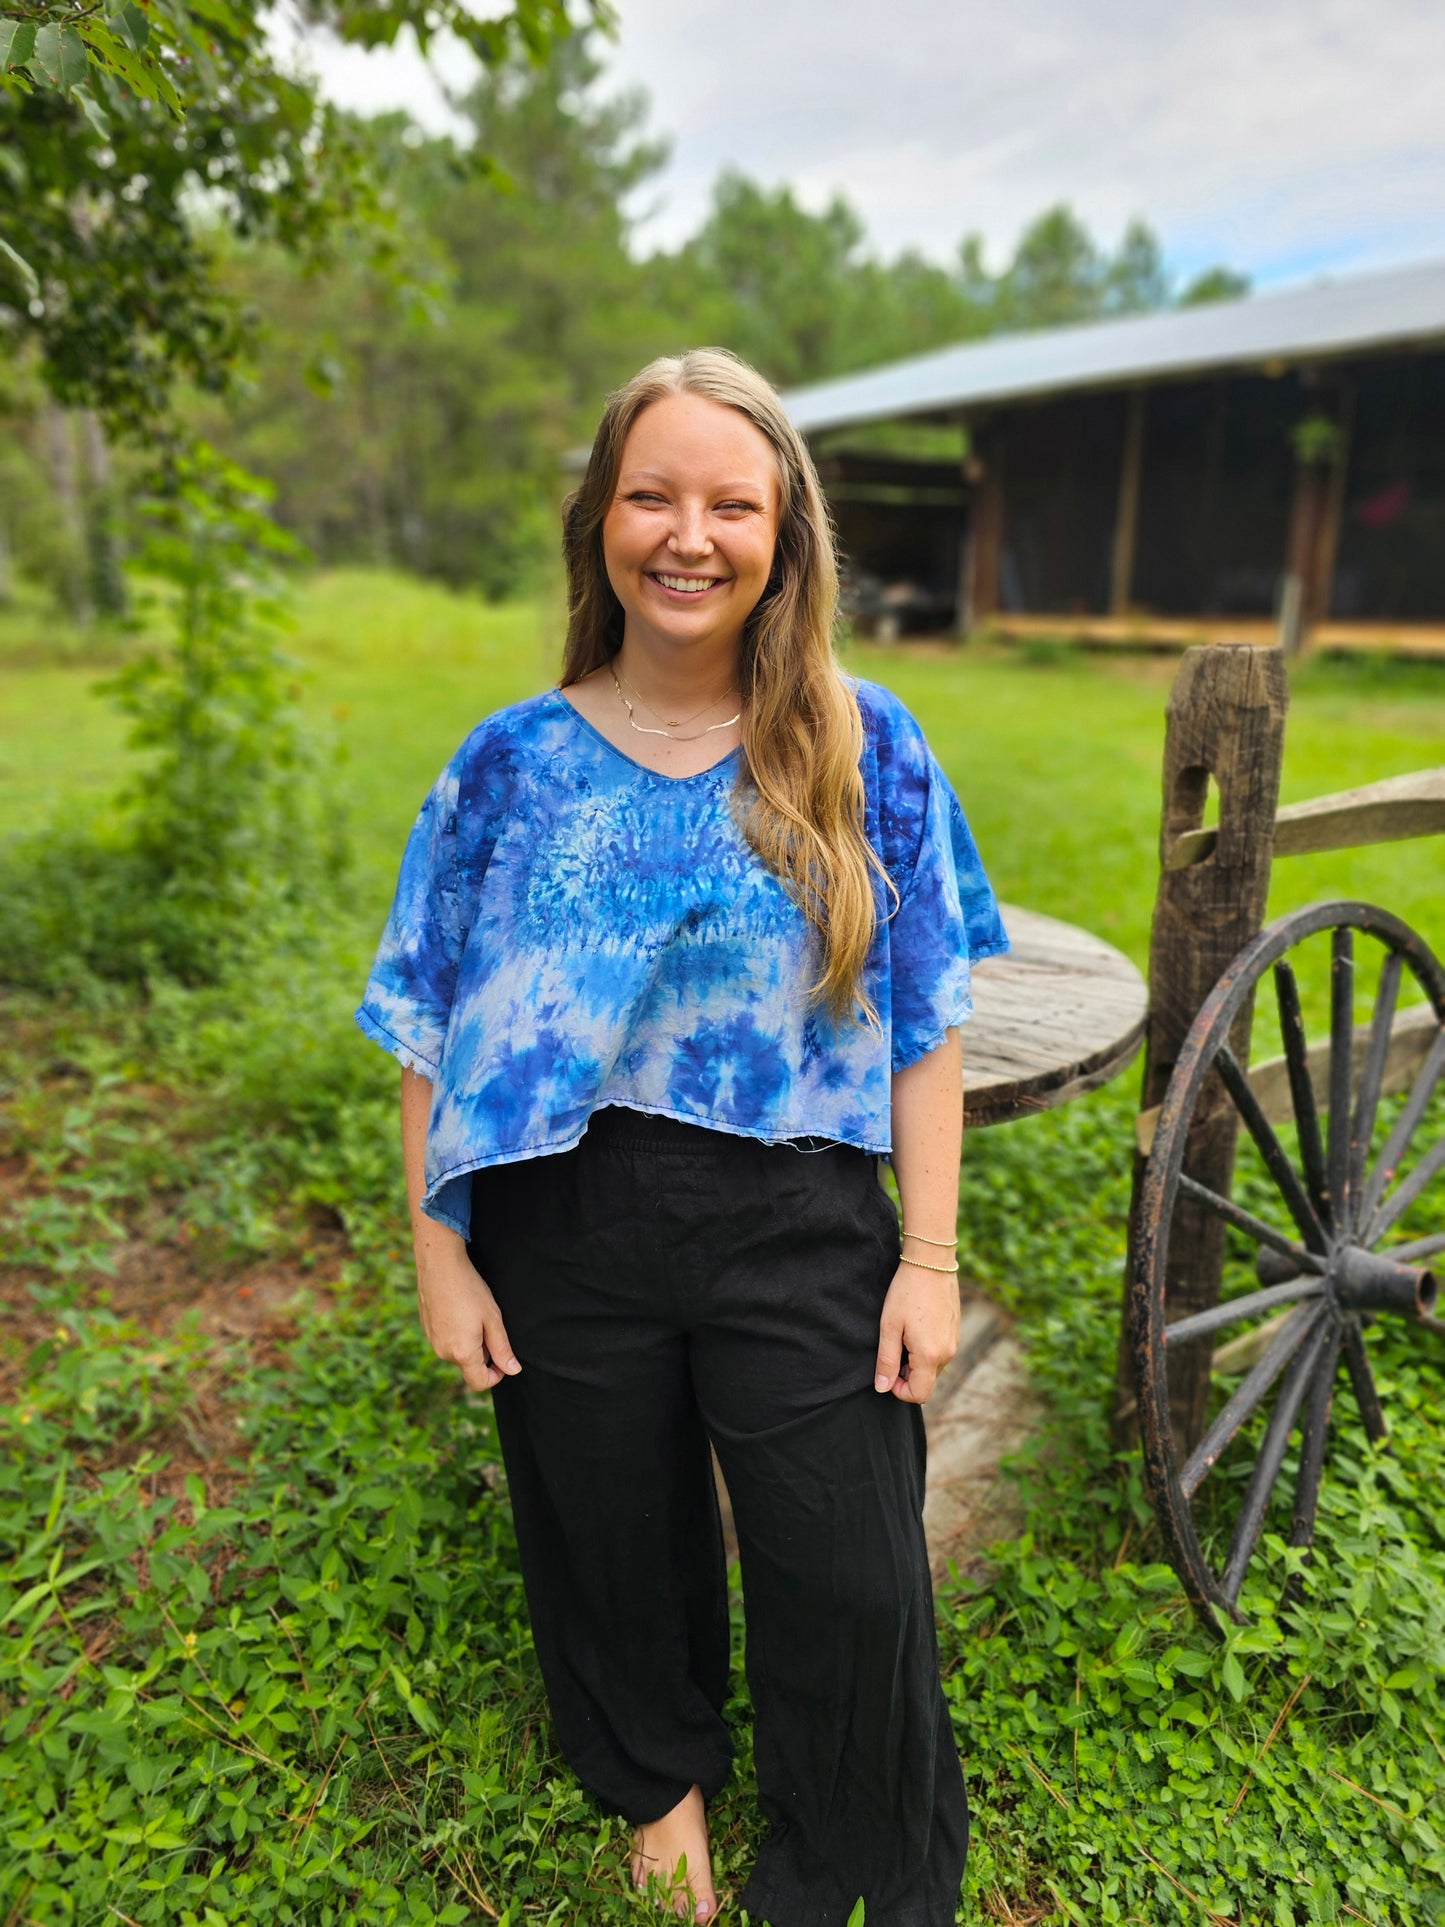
(478, 1371)
(917, 1386)
(890, 1355)
(499, 1346)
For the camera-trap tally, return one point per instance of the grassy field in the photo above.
(1055, 753)
(262, 1652)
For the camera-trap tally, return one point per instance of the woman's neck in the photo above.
(678, 678)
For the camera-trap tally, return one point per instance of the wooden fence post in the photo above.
(1226, 720)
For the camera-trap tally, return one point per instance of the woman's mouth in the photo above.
(686, 585)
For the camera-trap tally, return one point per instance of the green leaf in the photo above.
(134, 25)
(26, 1600)
(139, 75)
(17, 42)
(419, 1711)
(74, 59)
(60, 56)
(22, 267)
(220, 15)
(44, 61)
(855, 1919)
(93, 111)
(1233, 1675)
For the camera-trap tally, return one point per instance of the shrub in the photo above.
(221, 829)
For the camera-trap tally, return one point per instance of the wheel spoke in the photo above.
(1418, 1248)
(1363, 1380)
(1271, 1150)
(1246, 1396)
(1342, 1049)
(1302, 1090)
(1312, 1453)
(1256, 1228)
(1403, 1129)
(1271, 1457)
(1403, 1196)
(1233, 1309)
(1372, 1076)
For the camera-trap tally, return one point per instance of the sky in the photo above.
(1286, 138)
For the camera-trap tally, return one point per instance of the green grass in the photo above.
(262, 1652)
(1056, 757)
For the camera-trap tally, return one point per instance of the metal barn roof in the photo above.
(1320, 319)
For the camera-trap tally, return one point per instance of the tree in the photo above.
(1136, 280)
(1214, 284)
(797, 293)
(1059, 274)
(1056, 274)
(118, 121)
(454, 413)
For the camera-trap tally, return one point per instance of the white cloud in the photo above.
(1281, 137)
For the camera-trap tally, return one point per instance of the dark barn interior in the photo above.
(1272, 467)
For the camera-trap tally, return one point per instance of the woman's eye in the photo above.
(750, 506)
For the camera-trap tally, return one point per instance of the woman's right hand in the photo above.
(461, 1318)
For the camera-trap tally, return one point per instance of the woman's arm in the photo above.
(920, 1312)
(459, 1315)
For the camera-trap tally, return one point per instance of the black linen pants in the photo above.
(663, 1285)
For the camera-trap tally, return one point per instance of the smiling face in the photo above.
(688, 540)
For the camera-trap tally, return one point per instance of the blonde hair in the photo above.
(799, 798)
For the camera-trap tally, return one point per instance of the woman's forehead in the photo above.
(691, 434)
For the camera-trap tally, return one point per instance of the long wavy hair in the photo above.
(799, 799)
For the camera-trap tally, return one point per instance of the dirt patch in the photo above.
(245, 1316)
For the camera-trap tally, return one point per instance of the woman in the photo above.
(680, 947)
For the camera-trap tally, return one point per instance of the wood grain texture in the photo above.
(1384, 812)
(1062, 1013)
(1226, 718)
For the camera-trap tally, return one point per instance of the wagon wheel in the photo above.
(1324, 1261)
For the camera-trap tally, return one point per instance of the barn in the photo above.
(1269, 468)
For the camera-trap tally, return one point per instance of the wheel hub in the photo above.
(1359, 1280)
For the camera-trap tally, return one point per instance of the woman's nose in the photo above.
(689, 535)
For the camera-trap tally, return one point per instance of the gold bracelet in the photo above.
(946, 1243)
(950, 1271)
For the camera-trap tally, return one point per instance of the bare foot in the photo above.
(670, 1859)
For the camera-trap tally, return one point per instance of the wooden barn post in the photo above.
(981, 587)
(1126, 511)
(1226, 719)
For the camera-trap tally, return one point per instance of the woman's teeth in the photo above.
(687, 584)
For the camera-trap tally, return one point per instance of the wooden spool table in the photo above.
(1061, 1014)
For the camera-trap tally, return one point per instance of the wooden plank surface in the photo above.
(1062, 1013)
(1385, 812)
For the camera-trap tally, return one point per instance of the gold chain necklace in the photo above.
(642, 728)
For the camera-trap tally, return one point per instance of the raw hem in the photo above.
(408, 1057)
(470, 1165)
(776, 1910)
(934, 1038)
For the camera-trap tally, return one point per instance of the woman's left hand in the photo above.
(920, 1314)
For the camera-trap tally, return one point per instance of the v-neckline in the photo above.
(646, 768)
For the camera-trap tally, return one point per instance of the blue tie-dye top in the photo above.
(572, 929)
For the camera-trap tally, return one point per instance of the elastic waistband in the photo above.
(647, 1131)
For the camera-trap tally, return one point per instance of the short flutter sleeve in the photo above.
(946, 921)
(408, 998)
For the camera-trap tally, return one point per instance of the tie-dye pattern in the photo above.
(571, 929)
